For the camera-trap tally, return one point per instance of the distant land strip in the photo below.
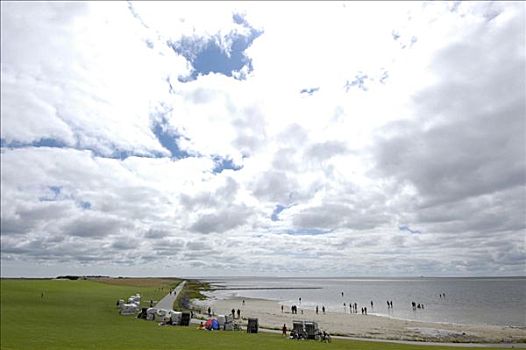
(264, 288)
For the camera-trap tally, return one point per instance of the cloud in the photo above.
(469, 137)
(317, 146)
(221, 221)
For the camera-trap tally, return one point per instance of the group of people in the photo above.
(353, 308)
(415, 306)
(234, 313)
(293, 309)
(322, 309)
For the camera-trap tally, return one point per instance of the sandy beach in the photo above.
(365, 326)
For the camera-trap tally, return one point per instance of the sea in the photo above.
(488, 301)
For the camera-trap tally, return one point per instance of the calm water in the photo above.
(494, 301)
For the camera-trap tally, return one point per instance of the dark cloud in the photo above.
(277, 186)
(93, 226)
(332, 215)
(469, 139)
(221, 220)
(325, 150)
(27, 217)
(223, 194)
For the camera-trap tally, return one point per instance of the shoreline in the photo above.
(365, 327)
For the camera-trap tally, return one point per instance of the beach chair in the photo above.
(311, 329)
(298, 330)
(252, 326)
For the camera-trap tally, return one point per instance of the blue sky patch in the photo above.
(279, 208)
(208, 56)
(54, 143)
(307, 231)
(43, 142)
(359, 82)
(168, 140)
(54, 193)
(309, 91)
(223, 164)
(85, 205)
(408, 229)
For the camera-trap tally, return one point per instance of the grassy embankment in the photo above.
(82, 315)
(192, 290)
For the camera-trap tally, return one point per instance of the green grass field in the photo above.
(82, 315)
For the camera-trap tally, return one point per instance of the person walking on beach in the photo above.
(238, 313)
(371, 304)
(342, 294)
(317, 309)
(233, 313)
(323, 309)
(209, 311)
(281, 308)
(284, 329)
(243, 302)
(299, 300)
(365, 310)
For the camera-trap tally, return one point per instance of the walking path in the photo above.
(168, 301)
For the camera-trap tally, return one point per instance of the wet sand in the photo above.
(269, 315)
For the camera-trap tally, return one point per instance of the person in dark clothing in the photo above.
(323, 309)
(233, 313)
(365, 310)
(316, 309)
(209, 311)
(238, 313)
(284, 329)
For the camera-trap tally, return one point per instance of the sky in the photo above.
(263, 138)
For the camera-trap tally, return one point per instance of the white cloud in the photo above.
(433, 138)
